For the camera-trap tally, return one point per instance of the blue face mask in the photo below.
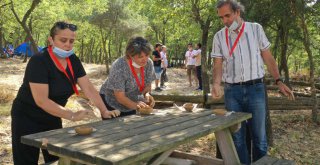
(62, 53)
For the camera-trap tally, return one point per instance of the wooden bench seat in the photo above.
(51, 163)
(267, 160)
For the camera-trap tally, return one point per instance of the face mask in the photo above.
(233, 26)
(134, 64)
(62, 53)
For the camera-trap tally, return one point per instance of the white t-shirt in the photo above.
(164, 64)
(189, 55)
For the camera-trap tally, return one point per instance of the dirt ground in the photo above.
(296, 137)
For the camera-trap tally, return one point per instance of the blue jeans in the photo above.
(251, 99)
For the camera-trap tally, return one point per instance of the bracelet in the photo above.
(277, 80)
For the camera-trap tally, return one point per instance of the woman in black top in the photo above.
(50, 79)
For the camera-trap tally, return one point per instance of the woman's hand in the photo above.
(110, 114)
(150, 100)
(82, 115)
(141, 104)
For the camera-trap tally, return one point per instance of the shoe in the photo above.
(163, 86)
(199, 89)
(158, 89)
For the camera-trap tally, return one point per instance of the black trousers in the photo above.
(163, 77)
(23, 124)
(132, 112)
(198, 69)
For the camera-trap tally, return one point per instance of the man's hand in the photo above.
(285, 90)
(216, 91)
(110, 114)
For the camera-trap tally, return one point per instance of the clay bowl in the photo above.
(188, 107)
(146, 110)
(83, 130)
(219, 112)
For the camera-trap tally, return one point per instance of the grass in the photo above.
(5, 109)
(6, 94)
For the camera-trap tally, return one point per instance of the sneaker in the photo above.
(158, 89)
(199, 89)
(163, 86)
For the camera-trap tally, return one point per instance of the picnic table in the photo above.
(136, 138)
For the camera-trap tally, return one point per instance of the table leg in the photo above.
(227, 148)
(66, 161)
(158, 159)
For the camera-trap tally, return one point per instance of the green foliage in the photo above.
(105, 26)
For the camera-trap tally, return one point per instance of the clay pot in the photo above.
(188, 107)
(83, 130)
(219, 112)
(146, 110)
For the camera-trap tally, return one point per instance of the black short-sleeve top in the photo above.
(156, 54)
(41, 69)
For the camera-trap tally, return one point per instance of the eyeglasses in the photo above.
(139, 44)
(63, 25)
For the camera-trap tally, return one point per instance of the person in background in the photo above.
(240, 50)
(129, 82)
(190, 64)
(164, 65)
(197, 56)
(50, 79)
(157, 65)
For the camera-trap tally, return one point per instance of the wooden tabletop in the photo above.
(133, 138)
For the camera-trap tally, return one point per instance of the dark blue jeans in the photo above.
(251, 99)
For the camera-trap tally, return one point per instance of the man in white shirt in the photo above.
(190, 64)
(240, 50)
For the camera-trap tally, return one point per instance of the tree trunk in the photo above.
(100, 55)
(34, 4)
(299, 10)
(204, 73)
(1, 34)
(276, 44)
(81, 50)
(205, 25)
(91, 50)
(306, 43)
(284, 31)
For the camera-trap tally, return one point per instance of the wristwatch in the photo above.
(277, 80)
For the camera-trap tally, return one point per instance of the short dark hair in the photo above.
(136, 45)
(234, 5)
(199, 45)
(157, 44)
(190, 44)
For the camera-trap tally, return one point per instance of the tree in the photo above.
(299, 7)
(24, 25)
(202, 14)
(1, 28)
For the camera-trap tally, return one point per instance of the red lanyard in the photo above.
(236, 41)
(60, 67)
(140, 85)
